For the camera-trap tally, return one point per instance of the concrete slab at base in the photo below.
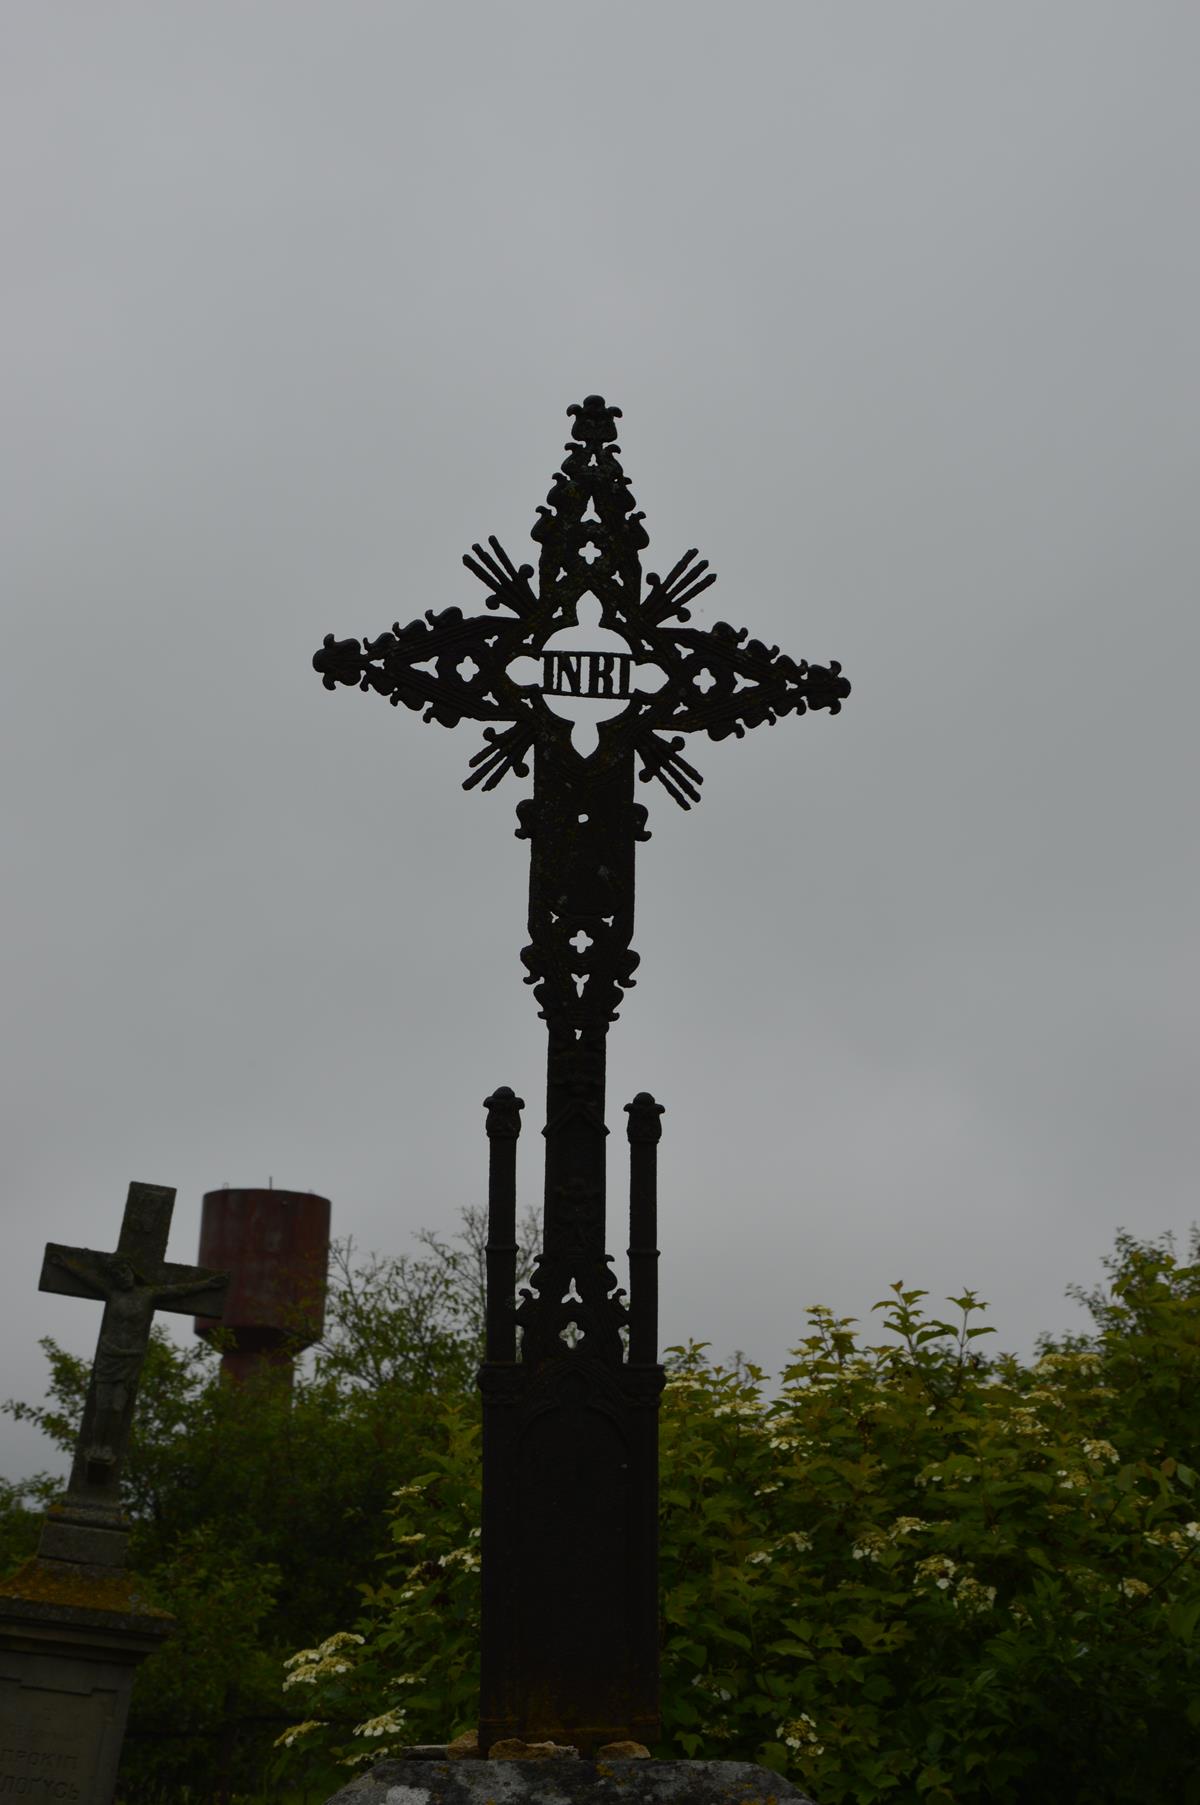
(569, 1782)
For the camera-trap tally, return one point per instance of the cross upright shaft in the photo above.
(570, 1427)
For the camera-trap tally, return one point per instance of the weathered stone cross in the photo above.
(570, 1425)
(133, 1283)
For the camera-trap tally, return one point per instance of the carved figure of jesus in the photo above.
(129, 1306)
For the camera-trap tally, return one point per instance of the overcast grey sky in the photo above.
(900, 304)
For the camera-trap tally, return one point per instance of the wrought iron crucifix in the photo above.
(570, 1426)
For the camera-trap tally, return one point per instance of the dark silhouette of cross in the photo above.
(570, 1426)
(133, 1283)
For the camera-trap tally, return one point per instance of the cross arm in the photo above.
(180, 1295)
(83, 1272)
(450, 665)
(76, 1271)
(720, 683)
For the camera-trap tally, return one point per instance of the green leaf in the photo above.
(735, 1637)
(1183, 1617)
(930, 1777)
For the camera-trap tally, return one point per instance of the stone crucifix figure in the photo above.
(569, 1547)
(133, 1283)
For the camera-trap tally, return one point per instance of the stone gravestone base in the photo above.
(569, 1781)
(71, 1639)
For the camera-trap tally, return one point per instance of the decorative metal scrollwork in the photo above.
(581, 821)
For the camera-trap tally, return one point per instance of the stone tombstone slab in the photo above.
(66, 1674)
(569, 1782)
(52, 1736)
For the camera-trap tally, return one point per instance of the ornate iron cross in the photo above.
(570, 1448)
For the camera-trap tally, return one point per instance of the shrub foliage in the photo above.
(910, 1572)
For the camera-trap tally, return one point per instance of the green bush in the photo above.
(913, 1573)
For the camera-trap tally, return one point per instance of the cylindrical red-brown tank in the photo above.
(275, 1247)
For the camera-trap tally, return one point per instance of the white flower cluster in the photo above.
(390, 1724)
(1076, 1480)
(372, 1755)
(1133, 1588)
(1049, 1364)
(1174, 1539)
(972, 1596)
(467, 1558)
(873, 1543)
(1088, 1581)
(1027, 1422)
(966, 1592)
(313, 1664)
(938, 1570)
(295, 1730)
(795, 1539)
(711, 1688)
(1101, 1450)
(800, 1733)
(1178, 1540)
(685, 1380)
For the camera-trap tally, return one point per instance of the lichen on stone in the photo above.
(71, 1586)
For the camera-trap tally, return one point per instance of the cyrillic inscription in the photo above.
(50, 1742)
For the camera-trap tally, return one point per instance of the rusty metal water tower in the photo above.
(275, 1247)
